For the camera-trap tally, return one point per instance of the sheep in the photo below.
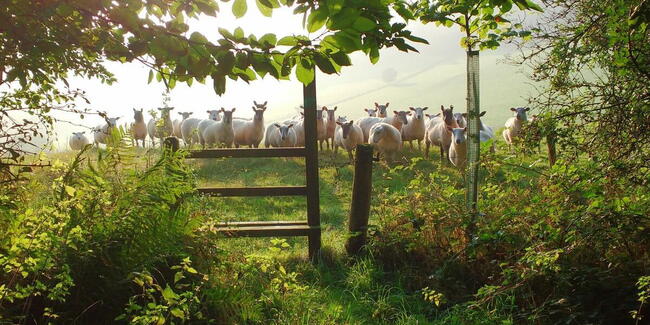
(330, 125)
(485, 132)
(461, 119)
(372, 112)
(458, 146)
(437, 132)
(415, 129)
(190, 128)
(348, 135)
(162, 127)
(221, 132)
(102, 132)
(514, 124)
(139, 127)
(177, 123)
(78, 140)
(381, 110)
(278, 135)
(366, 123)
(321, 128)
(250, 132)
(386, 139)
(213, 116)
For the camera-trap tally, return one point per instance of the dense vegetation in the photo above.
(118, 234)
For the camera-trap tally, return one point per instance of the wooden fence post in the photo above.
(311, 169)
(360, 206)
(171, 143)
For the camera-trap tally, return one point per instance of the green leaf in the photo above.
(343, 19)
(150, 76)
(341, 59)
(305, 71)
(169, 294)
(324, 63)
(264, 9)
(219, 83)
(239, 8)
(70, 190)
(198, 37)
(239, 33)
(178, 313)
(288, 41)
(269, 39)
(334, 6)
(374, 55)
(316, 20)
(364, 24)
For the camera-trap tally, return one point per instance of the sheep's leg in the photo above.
(419, 145)
(350, 156)
(426, 149)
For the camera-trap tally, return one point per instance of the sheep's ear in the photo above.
(408, 113)
(276, 125)
(117, 118)
(302, 107)
(335, 107)
(425, 108)
(367, 110)
(464, 129)
(266, 101)
(302, 114)
(83, 132)
(396, 112)
(134, 110)
(482, 113)
(527, 109)
(464, 115)
(191, 113)
(436, 115)
(428, 115)
(290, 126)
(254, 108)
(411, 108)
(180, 113)
(387, 103)
(513, 109)
(222, 109)
(339, 123)
(376, 105)
(255, 102)
(442, 108)
(324, 108)
(350, 122)
(233, 109)
(449, 128)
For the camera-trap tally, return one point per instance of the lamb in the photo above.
(250, 132)
(162, 127)
(177, 123)
(398, 120)
(330, 127)
(278, 135)
(78, 140)
(382, 110)
(221, 132)
(139, 127)
(458, 147)
(386, 139)
(101, 133)
(438, 134)
(213, 116)
(515, 123)
(415, 129)
(348, 135)
(321, 128)
(371, 112)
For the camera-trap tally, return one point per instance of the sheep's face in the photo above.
(227, 115)
(371, 112)
(284, 130)
(460, 119)
(164, 111)
(259, 111)
(112, 121)
(457, 134)
(382, 110)
(401, 116)
(185, 115)
(378, 134)
(79, 135)
(346, 126)
(331, 114)
(521, 113)
(448, 115)
(419, 112)
(341, 119)
(138, 115)
(261, 106)
(319, 113)
(214, 115)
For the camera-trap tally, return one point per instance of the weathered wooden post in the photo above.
(311, 169)
(360, 206)
(171, 143)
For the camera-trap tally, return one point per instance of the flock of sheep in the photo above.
(446, 130)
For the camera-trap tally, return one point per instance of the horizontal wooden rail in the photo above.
(261, 223)
(254, 191)
(269, 231)
(247, 153)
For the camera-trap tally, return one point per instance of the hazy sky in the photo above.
(430, 78)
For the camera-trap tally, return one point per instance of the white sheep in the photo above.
(372, 112)
(386, 139)
(366, 123)
(221, 132)
(280, 135)
(415, 128)
(161, 127)
(177, 123)
(348, 135)
(213, 116)
(321, 127)
(438, 134)
(139, 127)
(398, 120)
(515, 123)
(250, 132)
(190, 128)
(458, 147)
(101, 133)
(461, 119)
(78, 140)
(331, 125)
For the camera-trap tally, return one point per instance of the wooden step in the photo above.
(247, 153)
(253, 191)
